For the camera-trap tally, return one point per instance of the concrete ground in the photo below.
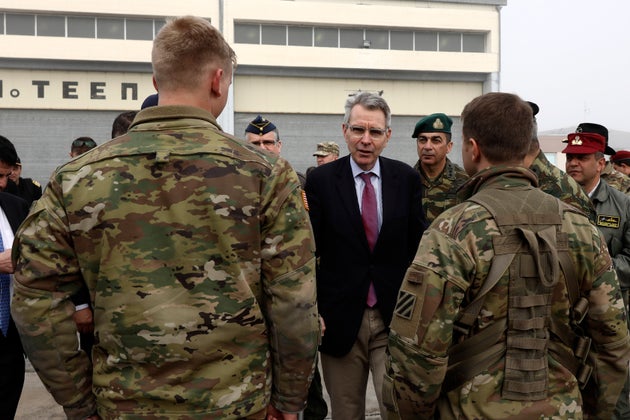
(37, 403)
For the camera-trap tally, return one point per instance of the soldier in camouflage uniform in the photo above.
(441, 177)
(197, 252)
(551, 179)
(613, 177)
(433, 320)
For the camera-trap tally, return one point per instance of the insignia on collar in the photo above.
(608, 221)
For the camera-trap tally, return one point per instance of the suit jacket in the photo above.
(16, 210)
(11, 353)
(345, 264)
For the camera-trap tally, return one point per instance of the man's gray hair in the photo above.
(368, 100)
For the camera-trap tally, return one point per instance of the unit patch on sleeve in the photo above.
(405, 304)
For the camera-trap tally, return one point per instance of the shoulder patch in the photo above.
(37, 184)
(405, 304)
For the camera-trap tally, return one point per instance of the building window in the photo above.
(51, 26)
(426, 41)
(450, 41)
(20, 24)
(245, 33)
(327, 37)
(274, 34)
(474, 43)
(307, 36)
(401, 40)
(108, 28)
(140, 29)
(351, 38)
(158, 24)
(378, 38)
(301, 36)
(81, 27)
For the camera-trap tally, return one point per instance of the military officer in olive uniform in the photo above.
(441, 177)
(585, 163)
(613, 177)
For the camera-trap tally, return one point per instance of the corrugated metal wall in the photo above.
(42, 137)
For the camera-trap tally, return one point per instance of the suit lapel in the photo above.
(347, 194)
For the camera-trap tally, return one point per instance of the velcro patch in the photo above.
(405, 304)
(608, 221)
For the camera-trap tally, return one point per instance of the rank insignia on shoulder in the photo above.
(37, 184)
(405, 304)
(608, 221)
(304, 200)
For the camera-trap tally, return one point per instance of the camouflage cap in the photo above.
(434, 123)
(585, 143)
(260, 126)
(326, 148)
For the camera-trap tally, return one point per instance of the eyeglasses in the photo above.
(264, 143)
(357, 132)
(82, 143)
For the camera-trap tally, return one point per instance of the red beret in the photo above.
(585, 143)
(620, 155)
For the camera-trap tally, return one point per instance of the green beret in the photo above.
(434, 123)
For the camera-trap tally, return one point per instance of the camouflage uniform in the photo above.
(199, 257)
(441, 193)
(557, 183)
(452, 263)
(616, 179)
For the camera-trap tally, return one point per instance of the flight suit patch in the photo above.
(608, 221)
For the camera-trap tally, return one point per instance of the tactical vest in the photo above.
(533, 250)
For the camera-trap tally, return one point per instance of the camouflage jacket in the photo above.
(441, 193)
(452, 262)
(557, 183)
(616, 179)
(199, 258)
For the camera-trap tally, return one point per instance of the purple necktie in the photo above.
(369, 214)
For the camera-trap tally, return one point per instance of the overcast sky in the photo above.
(571, 57)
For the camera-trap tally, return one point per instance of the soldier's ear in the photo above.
(475, 152)
(216, 78)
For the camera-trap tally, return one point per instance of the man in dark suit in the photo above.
(361, 259)
(13, 211)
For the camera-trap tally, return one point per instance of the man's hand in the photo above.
(6, 266)
(84, 320)
(274, 414)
